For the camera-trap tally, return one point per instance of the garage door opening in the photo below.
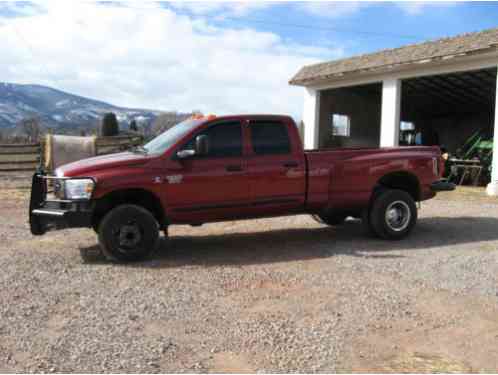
(350, 116)
(454, 111)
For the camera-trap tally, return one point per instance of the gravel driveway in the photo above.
(284, 294)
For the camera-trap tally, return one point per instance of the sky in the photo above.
(218, 58)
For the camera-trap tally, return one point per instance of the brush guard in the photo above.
(55, 214)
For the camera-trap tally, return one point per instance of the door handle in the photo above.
(233, 168)
(291, 164)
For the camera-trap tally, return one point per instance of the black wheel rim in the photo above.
(128, 237)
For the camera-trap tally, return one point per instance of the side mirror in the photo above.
(185, 154)
(201, 145)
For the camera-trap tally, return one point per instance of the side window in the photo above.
(270, 138)
(341, 125)
(225, 140)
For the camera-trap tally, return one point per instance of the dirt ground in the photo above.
(273, 295)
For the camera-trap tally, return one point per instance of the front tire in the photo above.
(128, 233)
(393, 214)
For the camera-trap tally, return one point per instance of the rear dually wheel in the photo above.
(393, 214)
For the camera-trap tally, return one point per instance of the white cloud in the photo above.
(415, 8)
(18, 9)
(332, 9)
(412, 7)
(137, 57)
(221, 9)
(341, 9)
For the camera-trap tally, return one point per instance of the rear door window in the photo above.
(269, 138)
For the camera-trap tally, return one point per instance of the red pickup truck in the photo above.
(212, 169)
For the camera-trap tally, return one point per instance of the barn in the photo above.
(440, 92)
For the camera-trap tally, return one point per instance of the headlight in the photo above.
(80, 188)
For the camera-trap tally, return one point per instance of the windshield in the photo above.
(165, 140)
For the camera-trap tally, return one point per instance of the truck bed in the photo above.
(346, 177)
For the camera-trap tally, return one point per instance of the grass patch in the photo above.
(424, 363)
(488, 247)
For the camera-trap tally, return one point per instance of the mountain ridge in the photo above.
(59, 109)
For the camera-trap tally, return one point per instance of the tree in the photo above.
(110, 126)
(133, 126)
(167, 120)
(30, 127)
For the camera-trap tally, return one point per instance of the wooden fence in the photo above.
(20, 157)
(110, 145)
(27, 157)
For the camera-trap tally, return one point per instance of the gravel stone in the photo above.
(273, 295)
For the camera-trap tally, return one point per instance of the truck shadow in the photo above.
(295, 244)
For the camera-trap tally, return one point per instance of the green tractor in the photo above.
(478, 147)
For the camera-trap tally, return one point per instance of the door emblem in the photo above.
(174, 179)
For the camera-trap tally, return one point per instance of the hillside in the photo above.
(59, 109)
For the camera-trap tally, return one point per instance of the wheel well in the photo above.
(140, 197)
(402, 181)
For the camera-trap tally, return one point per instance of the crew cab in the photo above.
(209, 169)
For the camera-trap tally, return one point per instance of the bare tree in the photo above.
(167, 120)
(30, 127)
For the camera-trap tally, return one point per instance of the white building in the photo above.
(445, 89)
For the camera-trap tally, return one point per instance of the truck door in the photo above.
(213, 186)
(276, 169)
